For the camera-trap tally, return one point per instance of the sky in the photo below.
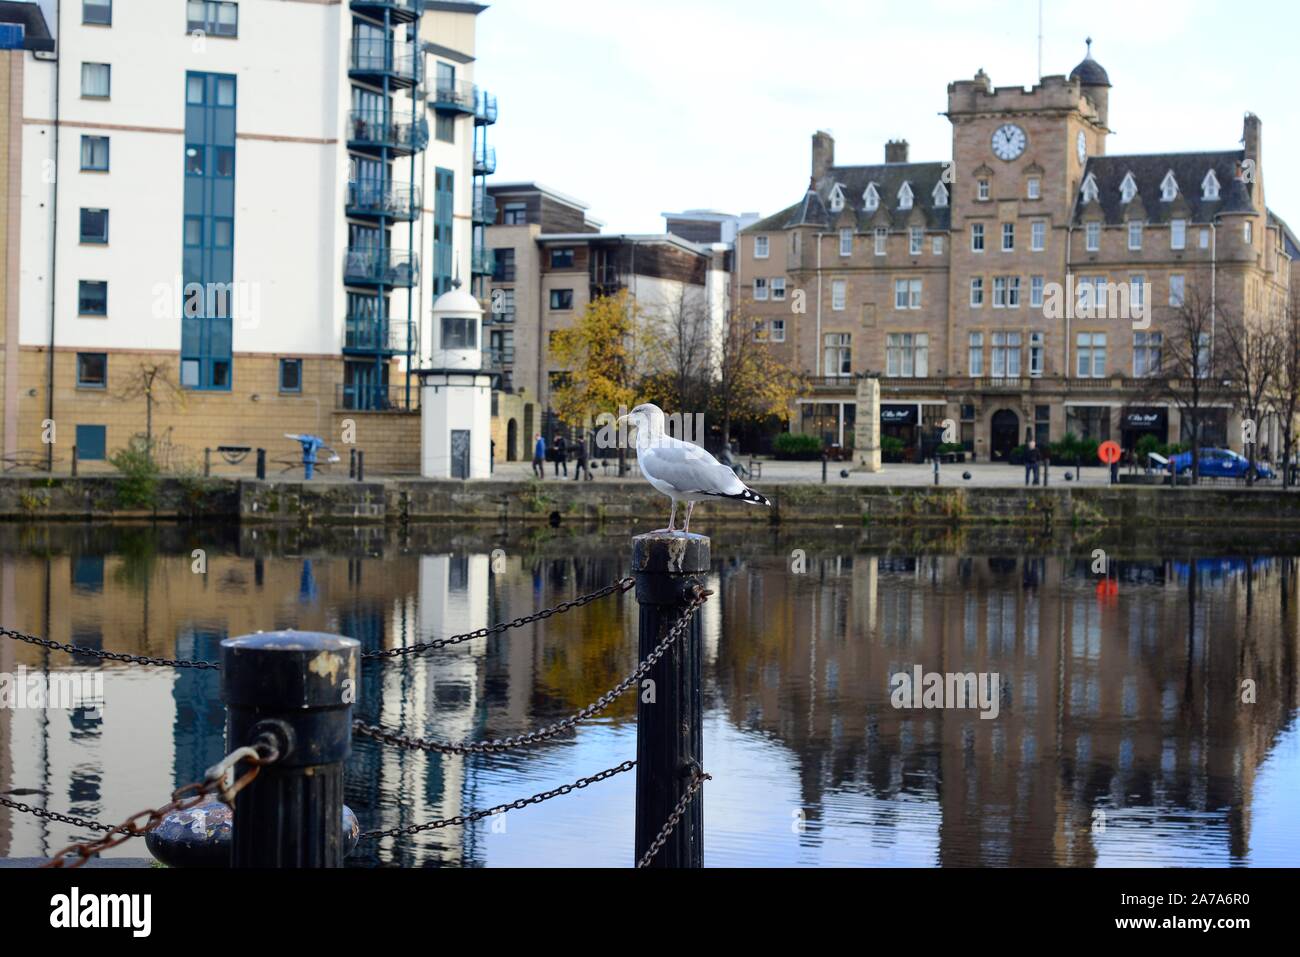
(638, 108)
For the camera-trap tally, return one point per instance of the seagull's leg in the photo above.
(672, 517)
(690, 507)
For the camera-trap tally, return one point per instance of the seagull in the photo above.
(681, 470)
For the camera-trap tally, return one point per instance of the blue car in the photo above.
(1219, 463)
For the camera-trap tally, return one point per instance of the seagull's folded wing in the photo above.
(688, 468)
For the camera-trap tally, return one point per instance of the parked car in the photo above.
(1220, 463)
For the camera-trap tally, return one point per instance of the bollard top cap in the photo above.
(313, 641)
(281, 671)
(666, 553)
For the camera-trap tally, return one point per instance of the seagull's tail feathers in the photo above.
(749, 497)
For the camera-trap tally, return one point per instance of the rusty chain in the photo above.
(55, 816)
(623, 584)
(699, 596)
(697, 782)
(220, 779)
(516, 805)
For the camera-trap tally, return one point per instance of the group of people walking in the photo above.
(557, 453)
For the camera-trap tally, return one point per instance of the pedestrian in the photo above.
(1114, 472)
(561, 455)
(1031, 462)
(581, 465)
(539, 456)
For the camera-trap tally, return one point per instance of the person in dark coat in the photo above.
(561, 455)
(581, 464)
(1031, 462)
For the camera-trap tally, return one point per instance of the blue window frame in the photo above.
(444, 211)
(92, 297)
(92, 443)
(92, 370)
(94, 225)
(290, 375)
(219, 18)
(94, 153)
(98, 12)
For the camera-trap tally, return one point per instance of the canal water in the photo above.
(1142, 715)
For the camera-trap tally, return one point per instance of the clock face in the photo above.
(1009, 141)
(1082, 146)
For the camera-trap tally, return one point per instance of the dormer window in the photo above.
(1210, 187)
(940, 195)
(1169, 188)
(1128, 189)
(1090, 189)
(837, 199)
(905, 197)
(871, 198)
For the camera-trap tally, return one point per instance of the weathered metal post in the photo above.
(361, 466)
(669, 715)
(352, 463)
(298, 688)
(74, 461)
(261, 465)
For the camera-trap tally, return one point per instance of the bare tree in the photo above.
(752, 383)
(153, 382)
(1253, 347)
(681, 353)
(1284, 394)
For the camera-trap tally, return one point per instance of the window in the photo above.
(1203, 355)
(839, 294)
(871, 198)
(94, 153)
(936, 245)
(907, 355)
(98, 12)
(1038, 236)
(1205, 239)
(503, 266)
(777, 333)
(907, 294)
(1146, 353)
(1036, 291)
(916, 236)
(760, 290)
(1036, 354)
(977, 292)
(92, 443)
(223, 164)
(1093, 237)
(444, 128)
(905, 197)
(514, 214)
(96, 80)
(762, 247)
(1169, 188)
(982, 189)
(1135, 235)
(92, 370)
(846, 242)
(1178, 234)
(503, 305)
(882, 236)
(1006, 355)
(218, 18)
(1127, 189)
(459, 332)
(1090, 292)
(977, 237)
(1210, 187)
(1033, 188)
(562, 258)
(1247, 233)
(940, 195)
(1000, 292)
(1042, 425)
(1089, 189)
(94, 226)
(838, 354)
(837, 199)
(1137, 296)
(92, 297)
(1177, 284)
(193, 160)
(561, 299)
(778, 289)
(1091, 355)
(1013, 292)
(975, 355)
(1008, 237)
(290, 375)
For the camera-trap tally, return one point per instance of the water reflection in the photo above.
(1122, 736)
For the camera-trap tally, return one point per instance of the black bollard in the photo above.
(361, 466)
(825, 459)
(352, 463)
(261, 464)
(936, 468)
(298, 688)
(669, 726)
(74, 461)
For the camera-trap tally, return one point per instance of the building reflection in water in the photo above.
(1121, 736)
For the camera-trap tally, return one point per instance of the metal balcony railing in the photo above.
(485, 208)
(485, 161)
(370, 334)
(394, 201)
(454, 97)
(402, 11)
(381, 267)
(368, 130)
(401, 63)
(485, 108)
(483, 262)
(502, 356)
(375, 398)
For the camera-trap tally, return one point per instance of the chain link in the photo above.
(360, 728)
(61, 818)
(623, 584)
(108, 655)
(218, 780)
(516, 805)
(697, 782)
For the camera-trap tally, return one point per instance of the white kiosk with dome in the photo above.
(456, 393)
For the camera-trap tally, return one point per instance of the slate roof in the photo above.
(814, 208)
(1090, 73)
(1149, 172)
(1289, 241)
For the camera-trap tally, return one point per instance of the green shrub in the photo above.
(139, 486)
(789, 445)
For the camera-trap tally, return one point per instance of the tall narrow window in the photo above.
(1035, 353)
(846, 242)
(839, 294)
(977, 292)
(762, 247)
(1008, 237)
(1092, 235)
(1177, 234)
(838, 357)
(975, 355)
(1038, 236)
(977, 237)
(916, 236)
(1135, 235)
(882, 237)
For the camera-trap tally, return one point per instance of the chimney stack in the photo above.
(823, 155)
(896, 151)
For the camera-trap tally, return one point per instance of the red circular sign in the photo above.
(1109, 452)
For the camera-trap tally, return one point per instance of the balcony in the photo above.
(372, 132)
(381, 267)
(485, 161)
(503, 356)
(371, 335)
(375, 61)
(485, 209)
(376, 398)
(457, 99)
(372, 200)
(483, 262)
(485, 108)
(399, 11)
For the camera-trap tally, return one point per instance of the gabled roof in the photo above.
(1149, 171)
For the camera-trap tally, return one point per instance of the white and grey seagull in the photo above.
(681, 470)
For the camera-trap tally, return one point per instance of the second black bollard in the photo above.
(297, 688)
